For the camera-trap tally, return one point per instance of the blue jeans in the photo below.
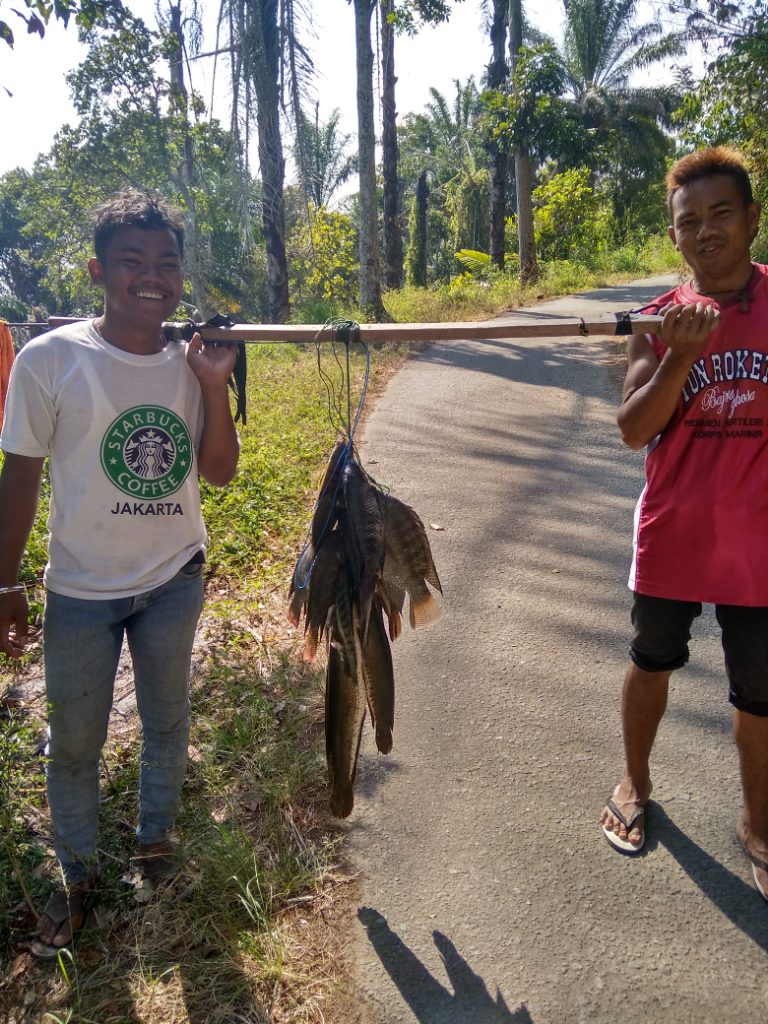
(81, 646)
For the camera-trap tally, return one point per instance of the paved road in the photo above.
(490, 895)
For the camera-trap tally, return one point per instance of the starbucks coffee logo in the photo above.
(147, 452)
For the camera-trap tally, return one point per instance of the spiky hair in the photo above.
(705, 163)
(134, 209)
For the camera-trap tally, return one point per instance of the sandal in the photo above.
(624, 845)
(70, 901)
(159, 861)
(756, 863)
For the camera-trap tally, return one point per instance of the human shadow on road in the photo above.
(738, 900)
(431, 1002)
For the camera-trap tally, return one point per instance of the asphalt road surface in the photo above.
(489, 894)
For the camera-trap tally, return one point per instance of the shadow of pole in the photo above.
(431, 1002)
(734, 898)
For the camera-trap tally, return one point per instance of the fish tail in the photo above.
(384, 741)
(342, 801)
(425, 612)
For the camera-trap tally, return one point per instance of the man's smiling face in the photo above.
(712, 227)
(141, 275)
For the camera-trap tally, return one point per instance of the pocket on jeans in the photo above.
(194, 566)
(190, 570)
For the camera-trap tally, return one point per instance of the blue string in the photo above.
(347, 326)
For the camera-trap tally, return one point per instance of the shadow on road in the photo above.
(736, 899)
(542, 366)
(429, 1001)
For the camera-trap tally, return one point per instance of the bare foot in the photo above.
(627, 798)
(756, 848)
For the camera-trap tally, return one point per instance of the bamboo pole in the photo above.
(532, 325)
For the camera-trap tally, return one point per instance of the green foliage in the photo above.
(21, 782)
(569, 216)
(467, 203)
(86, 14)
(322, 259)
(415, 254)
(320, 154)
(474, 260)
(12, 309)
(410, 15)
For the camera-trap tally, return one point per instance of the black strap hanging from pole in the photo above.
(240, 370)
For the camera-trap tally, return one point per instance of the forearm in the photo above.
(19, 493)
(647, 411)
(220, 445)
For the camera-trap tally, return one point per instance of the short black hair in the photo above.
(134, 209)
(706, 163)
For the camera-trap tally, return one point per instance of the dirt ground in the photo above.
(488, 894)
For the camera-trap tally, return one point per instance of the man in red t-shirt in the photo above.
(697, 396)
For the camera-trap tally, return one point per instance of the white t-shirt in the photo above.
(122, 432)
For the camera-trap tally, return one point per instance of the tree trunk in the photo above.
(497, 73)
(196, 246)
(370, 285)
(417, 254)
(393, 238)
(265, 67)
(523, 170)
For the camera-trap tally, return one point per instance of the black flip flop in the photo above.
(62, 906)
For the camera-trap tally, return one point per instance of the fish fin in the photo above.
(431, 576)
(294, 612)
(310, 645)
(425, 612)
(395, 625)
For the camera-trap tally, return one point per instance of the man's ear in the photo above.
(753, 216)
(94, 269)
(672, 235)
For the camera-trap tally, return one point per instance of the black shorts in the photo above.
(662, 629)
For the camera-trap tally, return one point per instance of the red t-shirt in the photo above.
(701, 524)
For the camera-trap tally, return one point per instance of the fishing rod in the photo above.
(223, 330)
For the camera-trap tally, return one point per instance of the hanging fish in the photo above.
(367, 551)
(322, 590)
(298, 591)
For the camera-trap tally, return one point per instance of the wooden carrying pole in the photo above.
(533, 325)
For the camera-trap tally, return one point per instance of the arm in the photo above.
(652, 387)
(19, 491)
(219, 445)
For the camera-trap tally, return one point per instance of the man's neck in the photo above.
(723, 287)
(140, 341)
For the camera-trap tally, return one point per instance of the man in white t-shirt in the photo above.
(128, 422)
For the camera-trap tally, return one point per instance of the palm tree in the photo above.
(320, 154)
(522, 155)
(603, 48)
(266, 53)
(497, 154)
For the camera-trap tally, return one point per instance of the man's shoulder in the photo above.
(54, 342)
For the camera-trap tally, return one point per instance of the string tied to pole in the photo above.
(346, 332)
